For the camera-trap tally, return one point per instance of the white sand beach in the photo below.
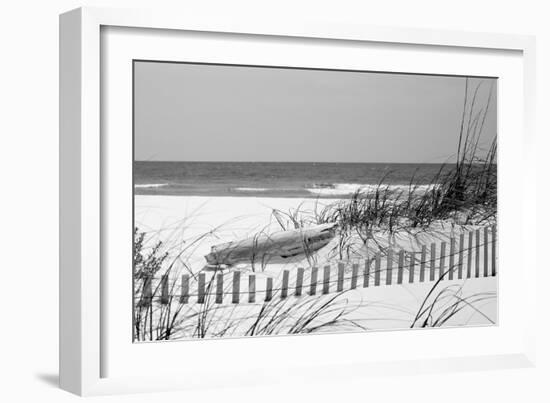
(189, 226)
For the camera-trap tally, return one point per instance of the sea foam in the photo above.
(342, 189)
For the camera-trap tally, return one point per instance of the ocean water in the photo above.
(277, 179)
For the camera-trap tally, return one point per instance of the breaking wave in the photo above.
(344, 189)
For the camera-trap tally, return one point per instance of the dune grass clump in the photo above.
(465, 195)
(154, 320)
(469, 189)
(147, 263)
(464, 191)
(442, 304)
(278, 316)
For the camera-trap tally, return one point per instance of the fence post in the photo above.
(252, 288)
(340, 283)
(486, 252)
(184, 298)
(451, 258)
(478, 236)
(284, 287)
(299, 281)
(423, 256)
(389, 267)
(442, 252)
(219, 288)
(268, 289)
(366, 273)
(202, 281)
(377, 269)
(354, 271)
(460, 255)
(469, 254)
(313, 282)
(401, 262)
(411, 267)
(164, 298)
(432, 262)
(326, 280)
(494, 250)
(236, 287)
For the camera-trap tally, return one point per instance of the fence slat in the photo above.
(184, 297)
(400, 265)
(326, 280)
(202, 282)
(486, 252)
(469, 254)
(411, 267)
(219, 288)
(432, 262)
(423, 256)
(451, 259)
(299, 281)
(164, 298)
(494, 250)
(460, 255)
(268, 289)
(442, 259)
(354, 271)
(236, 287)
(284, 287)
(340, 282)
(313, 282)
(251, 288)
(389, 267)
(366, 273)
(377, 269)
(478, 236)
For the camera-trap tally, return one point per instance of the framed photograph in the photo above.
(287, 199)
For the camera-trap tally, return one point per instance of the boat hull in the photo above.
(264, 247)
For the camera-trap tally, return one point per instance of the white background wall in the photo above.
(29, 202)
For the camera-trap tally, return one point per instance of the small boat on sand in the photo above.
(264, 247)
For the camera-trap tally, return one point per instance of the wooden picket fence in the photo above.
(472, 255)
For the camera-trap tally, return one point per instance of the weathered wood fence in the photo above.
(472, 255)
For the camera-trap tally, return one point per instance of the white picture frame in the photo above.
(83, 342)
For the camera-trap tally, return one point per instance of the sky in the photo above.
(190, 112)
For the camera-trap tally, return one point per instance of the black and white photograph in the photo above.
(275, 202)
(271, 201)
